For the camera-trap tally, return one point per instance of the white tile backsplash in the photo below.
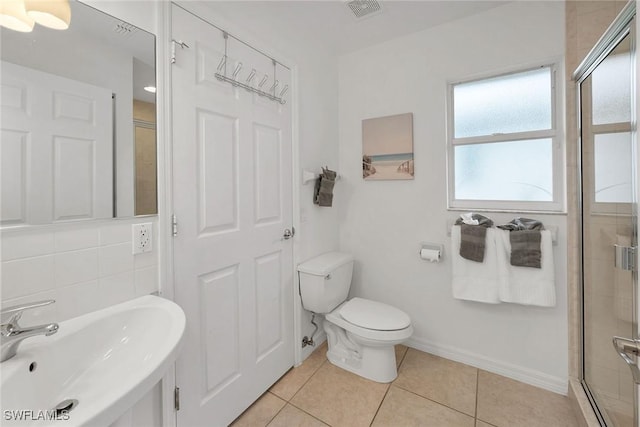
(28, 244)
(115, 259)
(146, 280)
(84, 267)
(110, 234)
(76, 267)
(116, 289)
(71, 240)
(145, 259)
(80, 298)
(27, 276)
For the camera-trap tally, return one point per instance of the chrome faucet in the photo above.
(12, 334)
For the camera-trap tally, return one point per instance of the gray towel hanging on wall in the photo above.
(323, 194)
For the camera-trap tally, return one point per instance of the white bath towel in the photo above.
(526, 285)
(475, 281)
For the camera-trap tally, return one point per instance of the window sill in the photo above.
(499, 210)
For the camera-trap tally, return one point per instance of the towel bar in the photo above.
(308, 176)
(552, 228)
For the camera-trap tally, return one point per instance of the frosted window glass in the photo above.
(519, 170)
(612, 158)
(611, 90)
(513, 103)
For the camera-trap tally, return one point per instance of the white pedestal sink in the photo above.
(100, 363)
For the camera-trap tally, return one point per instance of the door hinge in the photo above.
(625, 257)
(174, 225)
(180, 43)
(176, 398)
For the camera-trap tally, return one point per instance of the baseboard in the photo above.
(518, 373)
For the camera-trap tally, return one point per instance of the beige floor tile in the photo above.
(340, 398)
(291, 416)
(505, 402)
(293, 380)
(450, 383)
(403, 408)
(401, 350)
(261, 412)
(482, 424)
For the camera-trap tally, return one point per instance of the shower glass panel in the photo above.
(608, 219)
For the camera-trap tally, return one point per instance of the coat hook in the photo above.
(263, 81)
(237, 70)
(252, 74)
(273, 88)
(284, 90)
(223, 62)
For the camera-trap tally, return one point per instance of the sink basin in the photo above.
(100, 364)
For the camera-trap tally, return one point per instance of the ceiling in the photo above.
(331, 25)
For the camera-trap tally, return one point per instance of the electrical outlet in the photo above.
(142, 237)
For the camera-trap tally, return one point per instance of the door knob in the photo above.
(288, 233)
(629, 350)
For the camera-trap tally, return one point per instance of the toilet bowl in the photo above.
(362, 333)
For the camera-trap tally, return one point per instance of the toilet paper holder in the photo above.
(431, 251)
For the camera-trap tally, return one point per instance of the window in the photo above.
(504, 150)
(606, 133)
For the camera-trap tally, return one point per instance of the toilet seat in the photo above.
(374, 315)
(337, 319)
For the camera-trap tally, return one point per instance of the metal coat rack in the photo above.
(221, 74)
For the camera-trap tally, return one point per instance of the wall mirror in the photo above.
(77, 123)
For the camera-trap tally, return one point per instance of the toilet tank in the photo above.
(325, 281)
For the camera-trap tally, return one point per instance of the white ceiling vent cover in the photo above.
(362, 8)
(125, 29)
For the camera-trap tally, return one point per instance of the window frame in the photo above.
(554, 133)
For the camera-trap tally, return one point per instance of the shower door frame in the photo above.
(622, 26)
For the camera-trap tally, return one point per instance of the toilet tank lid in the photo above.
(374, 315)
(325, 263)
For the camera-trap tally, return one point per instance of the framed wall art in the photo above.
(387, 147)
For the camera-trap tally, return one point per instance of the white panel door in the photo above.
(56, 149)
(233, 200)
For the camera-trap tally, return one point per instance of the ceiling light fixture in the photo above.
(14, 16)
(151, 89)
(54, 14)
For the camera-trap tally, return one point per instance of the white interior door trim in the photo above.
(165, 187)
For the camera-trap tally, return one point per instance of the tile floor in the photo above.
(429, 391)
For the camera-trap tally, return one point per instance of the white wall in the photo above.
(316, 94)
(383, 223)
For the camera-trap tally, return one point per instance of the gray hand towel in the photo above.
(517, 224)
(324, 188)
(472, 238)
(525, 242)
(525, 248)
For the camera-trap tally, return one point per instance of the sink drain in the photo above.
(65, 407)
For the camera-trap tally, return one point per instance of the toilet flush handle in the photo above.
(327, 277)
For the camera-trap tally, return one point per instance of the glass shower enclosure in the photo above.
(610, 342)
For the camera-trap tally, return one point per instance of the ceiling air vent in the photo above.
(362, 8)
(125, 29)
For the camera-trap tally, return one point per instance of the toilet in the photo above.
(361, 333)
